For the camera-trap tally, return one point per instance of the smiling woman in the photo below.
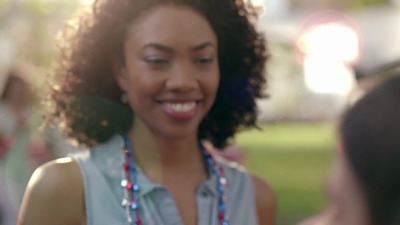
(171, 80)
(143, 83)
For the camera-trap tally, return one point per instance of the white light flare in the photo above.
(87, 2)
(335, 40)
(328, 50)
(258, 3)
(328, 76)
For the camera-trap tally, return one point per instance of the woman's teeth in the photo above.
(181, 107)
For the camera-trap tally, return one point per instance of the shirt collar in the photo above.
(112, 157)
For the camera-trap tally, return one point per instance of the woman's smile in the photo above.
(183, 110)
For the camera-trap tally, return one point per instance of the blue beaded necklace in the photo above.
(131, 187)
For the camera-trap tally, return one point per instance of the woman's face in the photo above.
(348, 204)
(171, 74)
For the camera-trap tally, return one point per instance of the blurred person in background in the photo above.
(12, 105)
(365, 184)
(142, 83)
(12, 102)
(20, 152)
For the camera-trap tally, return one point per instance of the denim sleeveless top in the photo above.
(101, 170)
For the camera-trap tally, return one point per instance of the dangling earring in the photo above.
(124, 98)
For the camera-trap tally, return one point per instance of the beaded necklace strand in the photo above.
(131, 187)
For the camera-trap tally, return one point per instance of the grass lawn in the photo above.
(295, 159)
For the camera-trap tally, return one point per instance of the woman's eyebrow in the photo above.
(203, 46)
(158, 47)
(164, 48)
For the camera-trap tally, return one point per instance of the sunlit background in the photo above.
(325, 55)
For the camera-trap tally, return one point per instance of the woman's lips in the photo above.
(179, 110)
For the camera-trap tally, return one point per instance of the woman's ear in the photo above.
(121, 74)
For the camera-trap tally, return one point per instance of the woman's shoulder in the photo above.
(56, 174)
(55, 190)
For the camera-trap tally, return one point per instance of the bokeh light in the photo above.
(333, 40)
(258, 3)
(329, 45)
(87, 2)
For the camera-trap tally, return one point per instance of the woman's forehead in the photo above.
(171, 26)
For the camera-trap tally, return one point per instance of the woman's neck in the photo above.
(161, 157)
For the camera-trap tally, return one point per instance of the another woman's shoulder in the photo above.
(56, 190)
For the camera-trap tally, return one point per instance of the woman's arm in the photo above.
(265, 201)
(54, 195)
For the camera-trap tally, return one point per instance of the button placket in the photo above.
(168, 209)
(204, 205)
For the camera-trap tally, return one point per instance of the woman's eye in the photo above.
(156, 61)
(204, 60)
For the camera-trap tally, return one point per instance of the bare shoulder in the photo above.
(265, 201)
(54, 195)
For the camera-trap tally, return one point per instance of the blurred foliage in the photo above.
(37, 20)
(357, 4)
(295, 159)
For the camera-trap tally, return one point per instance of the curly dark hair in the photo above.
(87, 97)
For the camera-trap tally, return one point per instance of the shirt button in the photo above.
(204, 194)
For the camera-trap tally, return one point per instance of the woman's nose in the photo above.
(182, 79)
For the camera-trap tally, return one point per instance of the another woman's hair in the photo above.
(87, 98)
(371, 135)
